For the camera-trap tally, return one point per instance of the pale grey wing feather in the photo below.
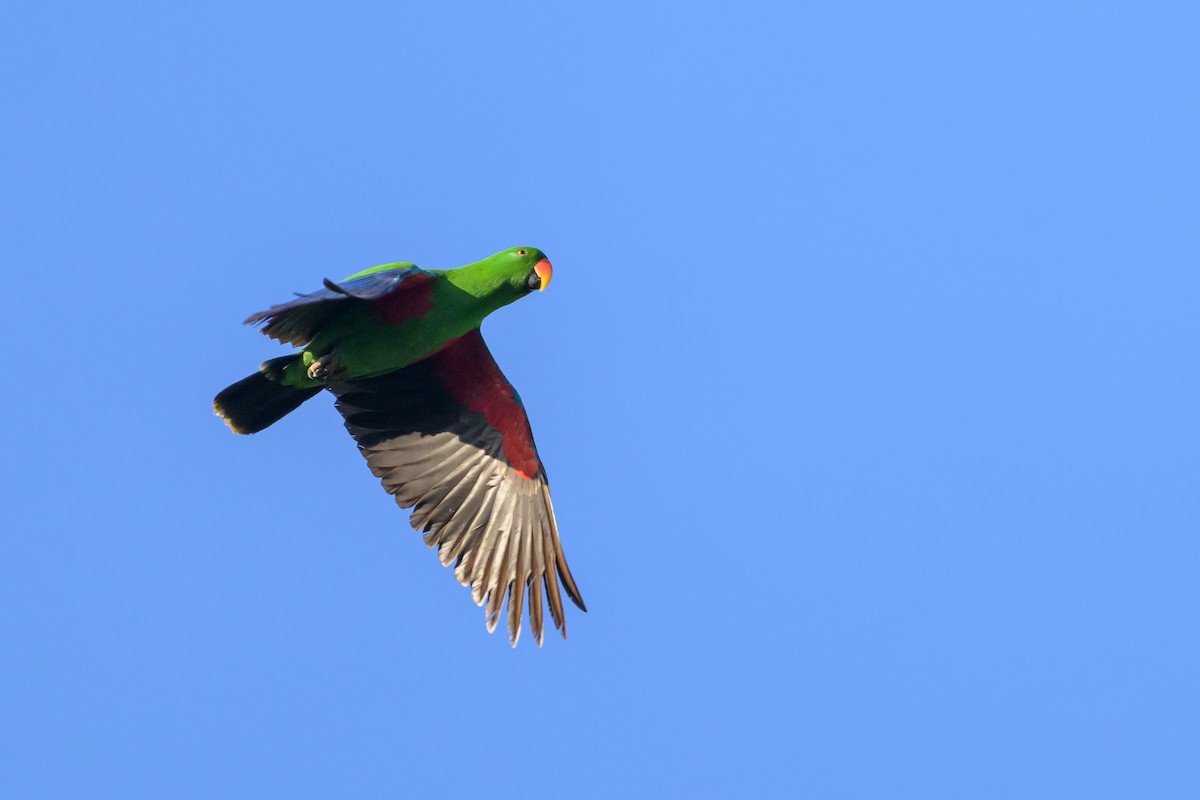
(494, 524)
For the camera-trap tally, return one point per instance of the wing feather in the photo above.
(535, 607)
(491, 576)
(448, 438)
(297, 321)
(447, 506)
(517, 581)
(553, 598)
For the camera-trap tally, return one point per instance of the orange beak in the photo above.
(544, 271)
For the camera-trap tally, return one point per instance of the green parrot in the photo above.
(439, 424)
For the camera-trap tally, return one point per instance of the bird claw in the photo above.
(324, 369)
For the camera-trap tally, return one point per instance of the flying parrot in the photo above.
(439, 424)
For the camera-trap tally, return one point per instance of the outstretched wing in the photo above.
(449, 438)
(296, 322)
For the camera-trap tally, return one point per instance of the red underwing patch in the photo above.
(473, 379)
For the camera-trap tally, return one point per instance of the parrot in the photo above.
(440, 426)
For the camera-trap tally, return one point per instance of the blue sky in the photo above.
(867, 385)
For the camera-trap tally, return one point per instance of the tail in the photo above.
(259, 400)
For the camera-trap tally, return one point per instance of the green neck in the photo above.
(482, 287)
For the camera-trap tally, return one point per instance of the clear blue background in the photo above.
(867, 383)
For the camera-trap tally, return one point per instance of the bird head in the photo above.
(527, 268)
(504, 277)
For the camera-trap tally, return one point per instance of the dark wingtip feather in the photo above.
(560, 558)
(333, 287)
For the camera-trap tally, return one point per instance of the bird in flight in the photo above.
(439, 424)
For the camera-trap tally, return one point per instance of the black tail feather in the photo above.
(259, 400)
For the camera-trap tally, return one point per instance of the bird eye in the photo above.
(521, 252)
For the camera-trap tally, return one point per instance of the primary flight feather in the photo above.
(439, 424)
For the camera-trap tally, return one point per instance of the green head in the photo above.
(525, 269)
(509, 274)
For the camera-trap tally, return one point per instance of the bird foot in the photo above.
(325, 368)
